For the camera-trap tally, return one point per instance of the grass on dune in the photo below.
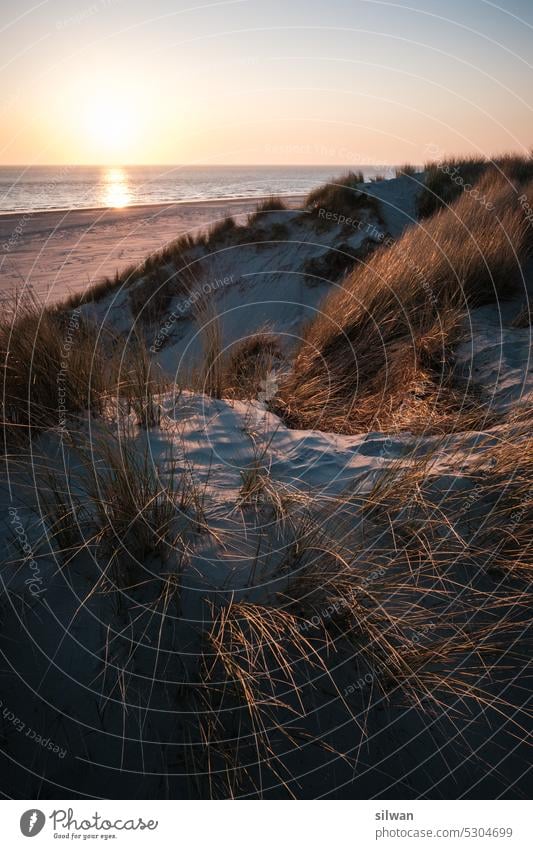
(154, 282)
(271, 204)
(261, 226)
(380, 354)
(334, 263)
(163, 277)
(140, 383)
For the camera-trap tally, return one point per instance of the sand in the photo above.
(65, 251)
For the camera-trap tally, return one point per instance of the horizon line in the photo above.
(203, 165)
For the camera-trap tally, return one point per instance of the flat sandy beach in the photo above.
(65, 251)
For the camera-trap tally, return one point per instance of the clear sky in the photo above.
(262, 81)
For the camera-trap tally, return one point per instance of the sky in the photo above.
(263, 81)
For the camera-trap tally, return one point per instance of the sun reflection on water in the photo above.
(117, 191)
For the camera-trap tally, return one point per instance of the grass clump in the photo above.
(271, 204)
(406, 170)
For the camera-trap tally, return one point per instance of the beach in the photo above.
(64, 251)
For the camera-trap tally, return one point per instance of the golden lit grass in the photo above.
(208, 378)
(384, 596)
(481, 519)
(397, 590)
(387, 610)
(379, 355)
(400, 634)
(238, 372)
(133, 510)
(255, 674)
(260, 490)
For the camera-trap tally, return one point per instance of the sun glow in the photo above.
(110, 124)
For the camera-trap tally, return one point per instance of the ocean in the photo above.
(38, 188)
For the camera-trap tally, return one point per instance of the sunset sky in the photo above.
(262, 81)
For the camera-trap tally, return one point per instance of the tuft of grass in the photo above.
(98, 291)
(254, 678)
(503, 540)
(221, 232)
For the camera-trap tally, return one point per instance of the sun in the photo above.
(109, 124)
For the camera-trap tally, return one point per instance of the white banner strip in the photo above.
(268, 825)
